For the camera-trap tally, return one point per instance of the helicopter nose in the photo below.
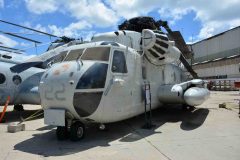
(89, 89)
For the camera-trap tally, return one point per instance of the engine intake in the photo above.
(158, 48)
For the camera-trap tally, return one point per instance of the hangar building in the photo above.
(218, 57)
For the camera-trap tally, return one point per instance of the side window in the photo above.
(17, 79)
(2, 78)
(119, 62)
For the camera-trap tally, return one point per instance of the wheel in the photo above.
(18, 107)
(62, 133)
(77, 131)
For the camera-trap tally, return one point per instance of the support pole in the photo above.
(5, 108)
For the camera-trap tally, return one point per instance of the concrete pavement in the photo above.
(208, 132)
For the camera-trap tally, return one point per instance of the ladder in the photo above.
(147, 104)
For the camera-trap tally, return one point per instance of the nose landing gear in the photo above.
(75, 132)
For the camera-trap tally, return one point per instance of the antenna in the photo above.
(51, 35)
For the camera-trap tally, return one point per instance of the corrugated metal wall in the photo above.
(208, 54)
(231, 71)
(219, 46)
(228, 67)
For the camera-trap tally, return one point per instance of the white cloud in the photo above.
(132, 8)
(41, 6)
(94, 12)
(1, 3)
(7, 41)
(40, 28)
(73, 30)
(173, 14)
(23, 44)
(215, 16)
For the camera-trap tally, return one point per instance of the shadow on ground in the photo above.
(16, 116)
(46, 144)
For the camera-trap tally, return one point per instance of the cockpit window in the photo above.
(2, 78)
(94, 77)
(60, 57)
(7, 56)
(73, 55)
(119, 62)
(96, 53)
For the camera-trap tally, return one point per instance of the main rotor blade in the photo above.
(28, 28)
(10, 51)
(15, 49)
(24, 66)
(181, 45)
(14, 35)
(187, 66)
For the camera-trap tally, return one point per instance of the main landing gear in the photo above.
(75, 132)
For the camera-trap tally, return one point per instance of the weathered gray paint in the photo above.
(86, 103)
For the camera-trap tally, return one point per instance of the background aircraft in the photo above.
(22, 87)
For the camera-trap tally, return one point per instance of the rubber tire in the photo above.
(74, 131)
(18, 107)
(62, 133)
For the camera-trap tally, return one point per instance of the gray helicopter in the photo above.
(109, 79)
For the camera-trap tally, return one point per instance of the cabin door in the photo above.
(118, 97)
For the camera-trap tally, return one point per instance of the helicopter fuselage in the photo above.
(22, 88)
(107, 87)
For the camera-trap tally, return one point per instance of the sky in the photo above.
(196, 19)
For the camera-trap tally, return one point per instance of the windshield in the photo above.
(74, 55)
(94, 77)
(95, 54)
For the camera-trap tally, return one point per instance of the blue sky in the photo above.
(82, 18)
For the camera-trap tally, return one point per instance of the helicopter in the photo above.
(114, 77)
